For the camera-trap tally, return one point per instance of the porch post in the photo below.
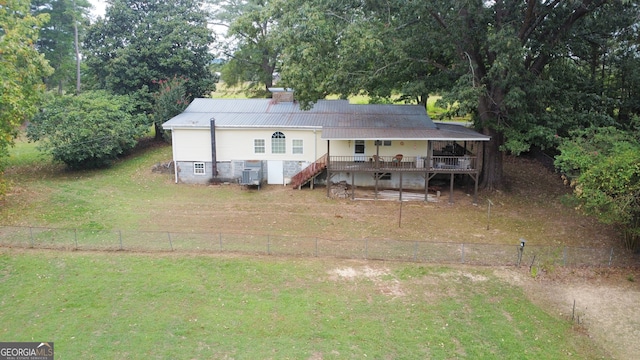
(426, 186)
(400, 186)
(451, 190)
(353, 185)
(328, 168)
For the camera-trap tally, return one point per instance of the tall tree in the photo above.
(59, 38)
(138, 43)
(500, 60)
(22, 69)
(250, 47)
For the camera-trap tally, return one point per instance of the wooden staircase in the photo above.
(307, 174)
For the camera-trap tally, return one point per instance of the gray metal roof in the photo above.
(338, 119)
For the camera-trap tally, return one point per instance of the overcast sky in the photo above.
(98, 7)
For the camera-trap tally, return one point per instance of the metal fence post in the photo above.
(170, 242)
(415, 251)
(316, 247)
(268, 245)
(220, 238)
(120, 237)
(366, 249)
(75, 237)
(611, 257)
(564, 256)
(31, 235)
(462, 253)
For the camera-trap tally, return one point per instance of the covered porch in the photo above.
(450, 151)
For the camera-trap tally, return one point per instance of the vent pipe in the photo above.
(214, 163)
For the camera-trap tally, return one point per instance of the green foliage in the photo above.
(251, 45)
(87, 131)
(57, 38)
(604, 164)
(22, 69)
(169, 101)
(525, 71)
(139, 43)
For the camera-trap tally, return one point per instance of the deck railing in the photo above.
(407, 163)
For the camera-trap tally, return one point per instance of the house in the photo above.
(380, 146)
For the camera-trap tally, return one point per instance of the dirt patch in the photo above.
(605, 302)
(386, 285)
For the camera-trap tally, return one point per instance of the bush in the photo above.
(87, 131)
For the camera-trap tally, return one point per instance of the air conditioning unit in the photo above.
(252, 173)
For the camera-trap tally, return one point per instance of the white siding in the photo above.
(237, 144)
(191, 145)
(407, 148)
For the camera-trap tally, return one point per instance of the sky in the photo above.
(98, 7)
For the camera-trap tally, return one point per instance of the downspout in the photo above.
(173, 150)
(214, 163)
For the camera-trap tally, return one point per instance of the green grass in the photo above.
(117, 306)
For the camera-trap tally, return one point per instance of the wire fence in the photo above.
(284, 245)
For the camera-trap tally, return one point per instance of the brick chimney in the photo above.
(281, 94)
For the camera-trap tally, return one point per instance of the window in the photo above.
(386, 143)
(258, 146)
(383, 176)
(278, 143)
(297, 146)
(198, 168)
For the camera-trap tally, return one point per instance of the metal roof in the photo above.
(338, 119)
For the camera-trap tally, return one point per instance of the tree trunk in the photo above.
(159, 132)
(492, 169)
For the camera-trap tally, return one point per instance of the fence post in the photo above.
(564, 256)
(170, 242)
(120, 237)
(220, 238)
(462, 253)
(610, 257)
(75, 237)
(268, 244)
(316, 247)
(366, 249)
(31, 235)
(415, 251)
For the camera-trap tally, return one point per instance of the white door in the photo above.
(275, 170)
(359, 151)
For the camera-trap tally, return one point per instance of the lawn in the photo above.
(114, 305)
(137, 306)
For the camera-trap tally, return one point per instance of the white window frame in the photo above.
(199, 168)
(297, 146)
(257, 147)
(278, 143)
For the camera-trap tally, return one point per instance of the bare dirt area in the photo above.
(601, 302)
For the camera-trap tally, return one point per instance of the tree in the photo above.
(22, 69)
(499, 60)
(603, 167)
(170, 99)
(89, 130)
(138, 43)
(59, 38)
(251, 47)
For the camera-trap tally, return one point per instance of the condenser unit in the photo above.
(252, 173)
